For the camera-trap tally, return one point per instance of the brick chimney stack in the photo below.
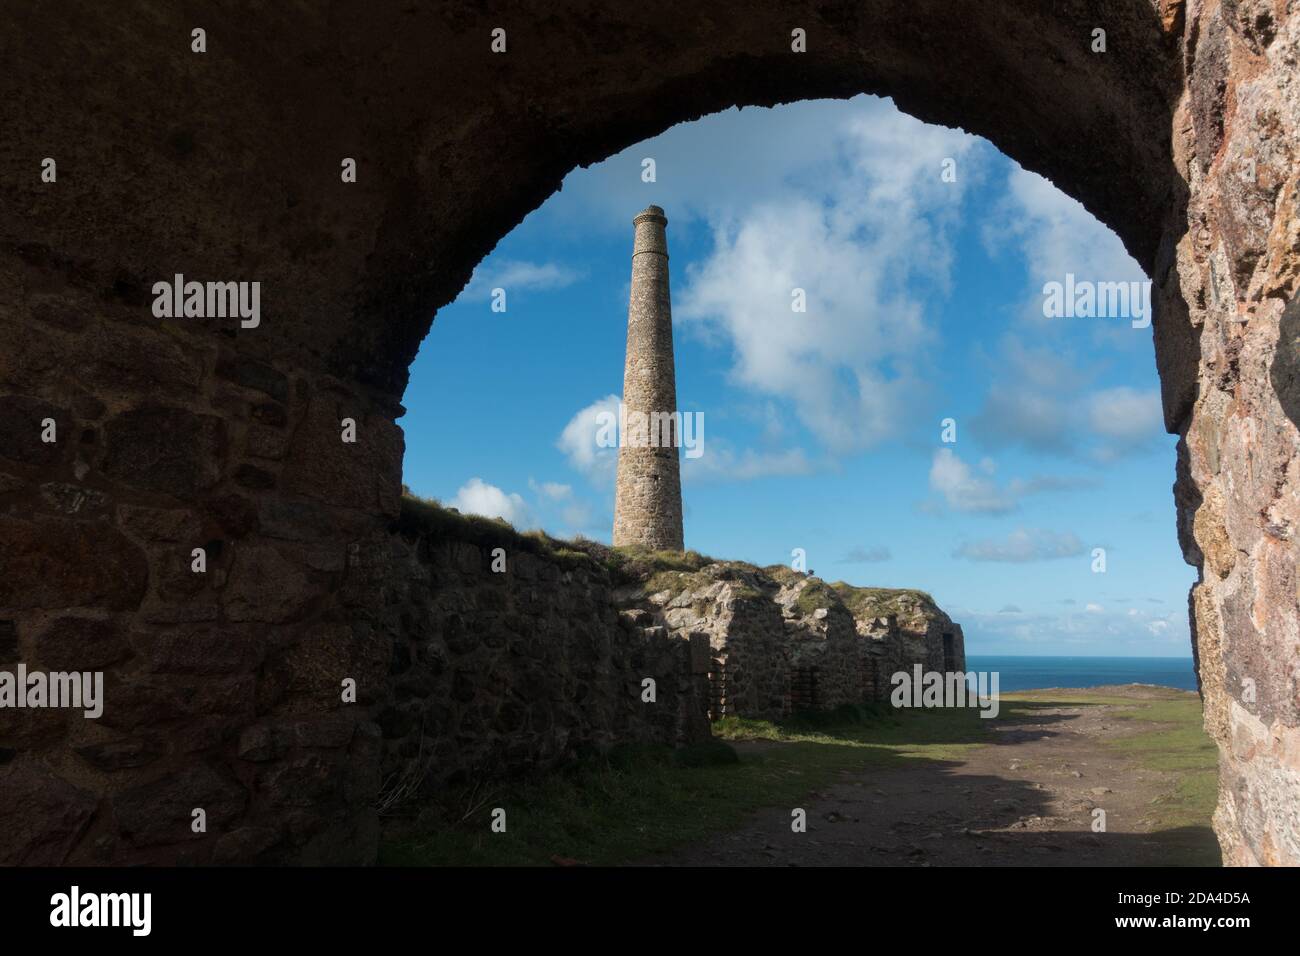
(648, 492)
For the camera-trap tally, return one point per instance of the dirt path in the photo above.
(1027, 798)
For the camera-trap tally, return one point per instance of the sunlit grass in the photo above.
(636, 802)
(640, 801)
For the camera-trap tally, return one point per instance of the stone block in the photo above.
(59, 563)
(21, 429)
(81, 644)
(161, 811)
(169, 450)
(41, 815)
(364, 474)
(265, 586)
(258, 376)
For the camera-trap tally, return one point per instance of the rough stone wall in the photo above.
(497, 673)
(823, 650)
(745, 631)
(648, 488)
(222, 687)
(787, 642)
(1229, 349)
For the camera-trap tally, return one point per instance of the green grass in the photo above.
(1180, 819)
(816, 594)
(1178, 744)
(427, 516)
(636, 802)
(881, 602)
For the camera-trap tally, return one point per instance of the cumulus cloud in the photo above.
(578, 442)
(562, 509)
(718, 461)
(1093, 630)
(517, 276)
(1044, 401)
(1021, 546)
(965, 489)
(1126, 418)
(551, 490)
(550, 504)
(856, 241)
(721, 462)
(711, 168)
(1055, 234)
(480, 498)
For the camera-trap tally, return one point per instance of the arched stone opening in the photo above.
(225, 166)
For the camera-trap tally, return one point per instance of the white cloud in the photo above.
(712, 167)
(517, 276)
(478, 497)
(578, 442)
(1056, 235)
(1021, 546)
(720, 462)
(562, 511)
(1041, 400)
(1092, 630)
(551, 490)
(1126, 418)
(962, 489)
(855, 239)
(1015, 413)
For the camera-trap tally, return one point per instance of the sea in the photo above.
(1027, 673)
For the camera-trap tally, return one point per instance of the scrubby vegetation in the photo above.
(881, 602)
(655, 571)
(431, 517)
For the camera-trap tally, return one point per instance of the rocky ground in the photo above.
(1025, 798)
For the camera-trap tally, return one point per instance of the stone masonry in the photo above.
(501, 673)
(648, 492)
(781, 641)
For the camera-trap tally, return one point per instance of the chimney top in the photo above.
(651, 213)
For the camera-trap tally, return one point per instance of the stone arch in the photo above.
(225, 165)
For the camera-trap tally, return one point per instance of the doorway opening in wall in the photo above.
(934, 444)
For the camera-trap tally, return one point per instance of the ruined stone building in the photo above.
(780, 641)
(491, 675)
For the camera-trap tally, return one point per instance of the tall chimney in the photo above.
(648, 492)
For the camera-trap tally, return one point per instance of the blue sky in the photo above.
(823, 428)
